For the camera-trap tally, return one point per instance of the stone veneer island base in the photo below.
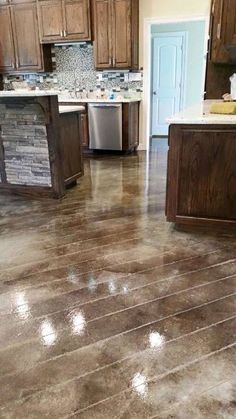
(40, 150)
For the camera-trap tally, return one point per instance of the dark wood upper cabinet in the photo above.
(20, 49)
(77, 20)
(122, 38)
(116, 28)
(7, 54)
(27, 48)
(223, 32)
(64, 20)
(50, 20)
(102, 33)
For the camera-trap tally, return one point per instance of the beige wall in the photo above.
(169, 8)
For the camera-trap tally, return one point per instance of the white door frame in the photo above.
(147, 35)
(184, 35)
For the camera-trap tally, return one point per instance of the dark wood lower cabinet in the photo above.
(201, 180)
(84, 129)
(71, 146)
(130, 126)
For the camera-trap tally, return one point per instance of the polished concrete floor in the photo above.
(107, 311)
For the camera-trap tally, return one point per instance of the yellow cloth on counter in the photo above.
(226, 108)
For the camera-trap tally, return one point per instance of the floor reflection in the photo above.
(48, 333)
(78, 322)
(156, 340)
(22, 306)
(140, 385)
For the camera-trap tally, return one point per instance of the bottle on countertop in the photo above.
(233, 86)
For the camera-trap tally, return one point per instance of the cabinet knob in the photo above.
(61, 33)
(65, 33)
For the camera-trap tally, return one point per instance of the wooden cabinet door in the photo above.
(121, 12)
(102, 33)
(130, 126)
(230, 22)
(50, 20)
(201, 176)
(70, 143)
(223, 34)
(76, 20)
(84, 130)
(26, 36)
(219, 54)
(7, 54)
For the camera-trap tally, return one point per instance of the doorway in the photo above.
(168, 78)
(197, 29)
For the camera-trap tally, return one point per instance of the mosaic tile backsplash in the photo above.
(74, 69)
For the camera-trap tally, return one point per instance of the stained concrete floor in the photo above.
(107, 311)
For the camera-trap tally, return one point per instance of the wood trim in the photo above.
(173, 171)
(3, 176)
(203, 221)
(53, 137)
(74, 178)
(135, 34)
(30, 191)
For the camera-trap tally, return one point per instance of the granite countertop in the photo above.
(26, 93)
(75, 100)
(61, 99)
(69, 109)
(200, 114)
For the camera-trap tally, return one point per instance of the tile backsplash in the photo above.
(74, 69)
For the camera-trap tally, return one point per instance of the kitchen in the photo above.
(117, 298)
(112, 102)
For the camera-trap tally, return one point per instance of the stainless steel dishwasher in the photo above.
(105, 126)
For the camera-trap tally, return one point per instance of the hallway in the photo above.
(107, 311)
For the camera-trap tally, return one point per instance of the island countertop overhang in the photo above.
(200, 114)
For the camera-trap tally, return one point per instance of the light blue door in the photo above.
(167, 81)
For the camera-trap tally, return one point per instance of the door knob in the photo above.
(155, 93)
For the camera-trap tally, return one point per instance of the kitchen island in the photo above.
(201, 179)
(40, 150)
